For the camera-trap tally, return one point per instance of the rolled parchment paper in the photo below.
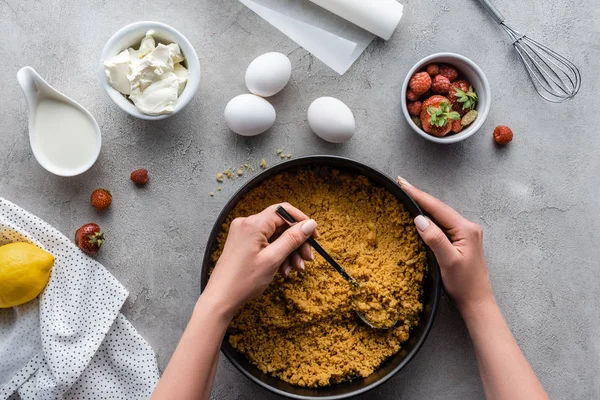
(379, 17)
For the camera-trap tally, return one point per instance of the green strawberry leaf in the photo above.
(431, 110)
(468, 99)
(440, 116)
(453, 115)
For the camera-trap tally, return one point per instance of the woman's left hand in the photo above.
(256, 248)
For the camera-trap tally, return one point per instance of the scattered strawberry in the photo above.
(89, 238)
(437, 116)
(433, 69)
(412, 96)
(420, 83)
(101, 199)
(140, 176)
(414, 108)
(449, 72)
(503, 134)
(457, 126)
(440, 85)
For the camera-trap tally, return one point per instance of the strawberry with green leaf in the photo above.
(457, 87)
(437, 116)
(440, 116)
(462, 96)
(468, 98)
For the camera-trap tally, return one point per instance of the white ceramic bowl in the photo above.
(131, 36)
(471, 73)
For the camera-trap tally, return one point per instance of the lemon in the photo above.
(24, 273)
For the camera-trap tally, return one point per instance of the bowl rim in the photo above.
(296, 163)
(191, 58)
(483, 113)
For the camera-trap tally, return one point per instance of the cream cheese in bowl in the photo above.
(150, 70)
(152, 77)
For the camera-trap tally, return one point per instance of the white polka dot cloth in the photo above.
(73, 343)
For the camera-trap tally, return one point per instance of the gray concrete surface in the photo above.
(537, 199)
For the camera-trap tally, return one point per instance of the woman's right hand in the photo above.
(505, 372)
(459, 251)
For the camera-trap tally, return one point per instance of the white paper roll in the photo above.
(330, 38)
(379, 17)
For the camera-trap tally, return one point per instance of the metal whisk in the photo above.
(554, 77)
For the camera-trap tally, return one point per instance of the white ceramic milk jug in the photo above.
(64, 136)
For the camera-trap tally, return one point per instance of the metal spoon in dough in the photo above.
(355, 285)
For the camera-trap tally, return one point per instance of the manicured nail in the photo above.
(422, 223)
(302, 265)
(312, 254)
(309, 226)
(403, 182)
(286, 270)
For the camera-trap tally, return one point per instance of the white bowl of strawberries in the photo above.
(446, 98)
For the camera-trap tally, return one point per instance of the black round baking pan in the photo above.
(431, 295)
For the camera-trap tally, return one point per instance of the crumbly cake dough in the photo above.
(303, 329)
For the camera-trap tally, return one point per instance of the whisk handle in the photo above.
(489, 7)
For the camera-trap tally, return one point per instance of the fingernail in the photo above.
(309, 226)
(286, 270)
(312, 254)
(422, 223)
(403, 182)
(302, 265)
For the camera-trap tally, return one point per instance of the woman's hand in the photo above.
(256, 248)
(459, 251)
(505, 373)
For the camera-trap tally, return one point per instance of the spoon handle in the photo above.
(291, 221)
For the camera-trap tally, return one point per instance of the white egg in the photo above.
(268, 74)
(331, 120)
(249, 115)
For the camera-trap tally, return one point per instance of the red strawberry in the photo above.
(434, 101)
(463, 86)
(433, 69)
(503, 134)
(436, 116)
(438, 131)
(89, 238)
(449, 72)
(420, 83)
(414, 108)
(457, 126)
(101, 199)
(440, 85)
(412, 96)
(140, 176)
